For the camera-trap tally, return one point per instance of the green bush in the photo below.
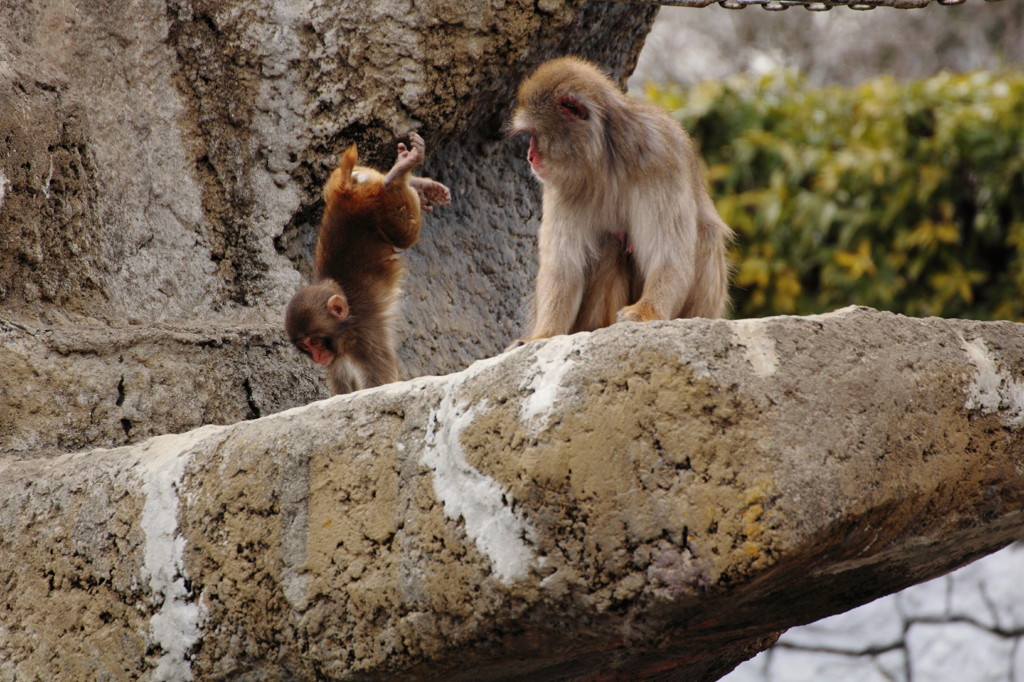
(905, 197)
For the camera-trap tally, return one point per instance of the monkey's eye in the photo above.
(309, 344)
(573, 108)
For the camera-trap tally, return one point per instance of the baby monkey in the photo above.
(628, 231)
(345, 320)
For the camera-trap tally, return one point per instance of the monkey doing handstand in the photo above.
(628, 230)
(345, 320)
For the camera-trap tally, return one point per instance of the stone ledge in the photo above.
(68, 388)
(647, 501)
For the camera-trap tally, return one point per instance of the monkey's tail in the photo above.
(341, 178)
(714, 275)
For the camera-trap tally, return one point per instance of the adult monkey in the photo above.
(628, 232)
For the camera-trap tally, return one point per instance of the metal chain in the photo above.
(812, 5)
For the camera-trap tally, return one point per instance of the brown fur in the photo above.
(368, 217)
(628, 232)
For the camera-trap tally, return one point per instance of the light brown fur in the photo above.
(629, 232)
(346, 318)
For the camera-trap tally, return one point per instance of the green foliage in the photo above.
(904, 197)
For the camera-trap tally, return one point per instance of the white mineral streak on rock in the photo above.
(175, 626)
(501, 534)
(551, 363)
(758, 347)
(993, 390)
(4, 182)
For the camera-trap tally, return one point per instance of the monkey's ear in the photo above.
(573, 108)
(337, 306)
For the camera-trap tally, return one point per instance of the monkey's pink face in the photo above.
(549, 120)
(535, 159)
(317, 349)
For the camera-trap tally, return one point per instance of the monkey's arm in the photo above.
(376, 358)
(560, 279)
(341, 378)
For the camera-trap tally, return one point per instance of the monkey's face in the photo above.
(317, 348)
(558, 125)
(560, 108)
(315, 320)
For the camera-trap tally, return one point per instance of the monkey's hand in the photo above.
(638, 312)
(407, 159)
(432, 193)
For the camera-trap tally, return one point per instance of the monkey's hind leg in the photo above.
(662, 291)
(431, 192)
(407, 160)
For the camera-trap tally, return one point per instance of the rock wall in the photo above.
(160, 174)
(645, 502)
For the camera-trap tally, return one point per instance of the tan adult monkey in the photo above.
(628, 231)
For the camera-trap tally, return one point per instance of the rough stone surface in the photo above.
(49, 209)
(160, 174)
(648, 501)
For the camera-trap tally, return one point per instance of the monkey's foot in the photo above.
(638, 312)
(407, 158)
(522, 342)
(515, 344)
(432, 193)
